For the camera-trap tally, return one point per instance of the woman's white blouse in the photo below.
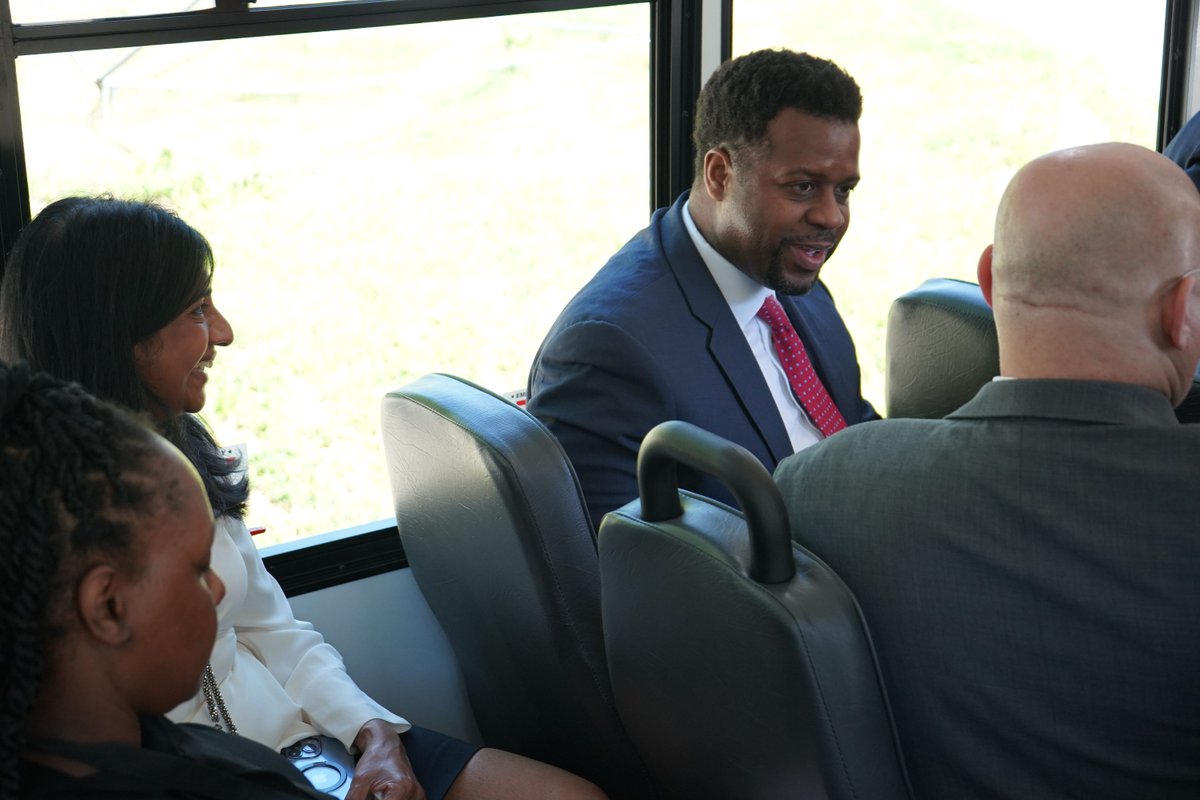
(281, 681)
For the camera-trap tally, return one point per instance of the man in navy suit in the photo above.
(668, 328)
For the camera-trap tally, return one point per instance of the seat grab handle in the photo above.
(677, 442)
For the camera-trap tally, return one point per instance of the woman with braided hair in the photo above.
(108, 609)
(117, 295)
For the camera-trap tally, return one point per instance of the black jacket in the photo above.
(174, 761)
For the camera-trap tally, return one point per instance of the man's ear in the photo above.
(718, 172)
(1178, 326)
(101, 604)
(984, 273)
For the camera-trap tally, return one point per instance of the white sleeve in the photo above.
(309, 669)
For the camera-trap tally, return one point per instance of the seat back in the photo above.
(496, 532)
(941, 348)
(741, 664)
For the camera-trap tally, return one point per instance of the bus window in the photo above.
(382, 203)
(956, 96)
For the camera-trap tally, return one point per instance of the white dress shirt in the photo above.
(745, 297)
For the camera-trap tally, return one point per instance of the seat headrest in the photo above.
(941, 348)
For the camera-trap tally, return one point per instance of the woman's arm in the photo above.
(309, 669)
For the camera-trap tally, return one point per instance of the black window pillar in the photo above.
(680, 29)
(1177, 44)
(14, 188)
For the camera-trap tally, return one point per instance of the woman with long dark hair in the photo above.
(117, 295)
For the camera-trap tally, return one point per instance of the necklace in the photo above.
(215, 702)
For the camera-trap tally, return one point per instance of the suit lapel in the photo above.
(727, 345)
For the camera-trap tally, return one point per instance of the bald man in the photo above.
(1029, 566)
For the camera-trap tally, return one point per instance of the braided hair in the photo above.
(89, 278)
(75, 475)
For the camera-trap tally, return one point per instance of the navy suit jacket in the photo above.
(650, 338)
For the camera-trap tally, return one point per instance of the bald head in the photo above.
(1089, 245)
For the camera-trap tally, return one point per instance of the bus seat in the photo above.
(498, 538)
(940, 348)
(740, 662)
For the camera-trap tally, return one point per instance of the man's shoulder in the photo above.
(636, 275)
(870, 440)
(638, 284)
(1017, 419)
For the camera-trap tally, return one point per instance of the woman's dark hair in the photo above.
(75, 474)
(744, 94)
(89, 278)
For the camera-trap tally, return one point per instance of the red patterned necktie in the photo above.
(800, 373)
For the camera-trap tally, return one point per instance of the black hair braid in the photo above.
(67, 462)
(24, 578)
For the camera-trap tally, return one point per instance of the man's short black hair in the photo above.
(744, 94)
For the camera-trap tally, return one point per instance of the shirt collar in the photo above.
(744, 295)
